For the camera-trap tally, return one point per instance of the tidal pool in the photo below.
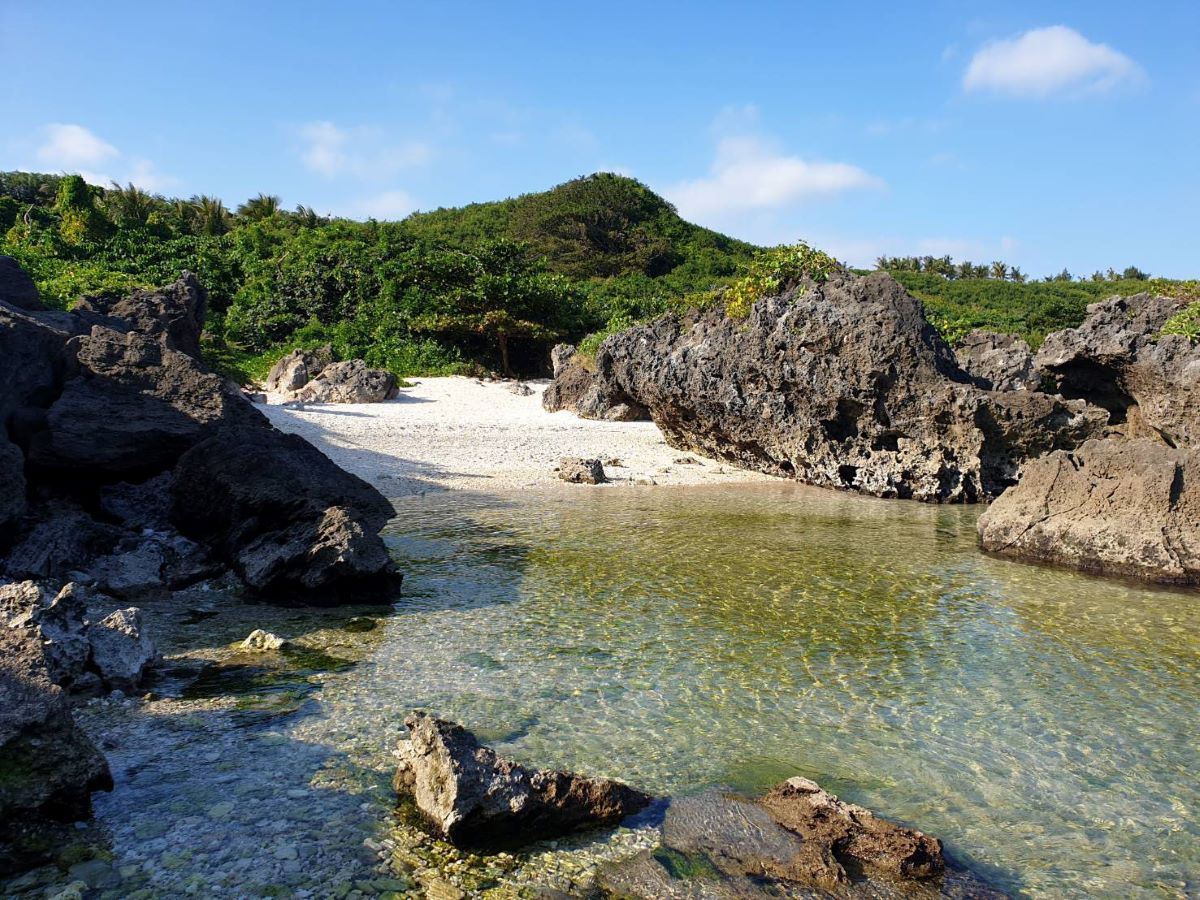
(1042, 722)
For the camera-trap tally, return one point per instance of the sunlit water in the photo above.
(1043, 723)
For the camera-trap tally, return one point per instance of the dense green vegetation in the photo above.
(483, 287)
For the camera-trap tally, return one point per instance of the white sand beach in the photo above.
(467, 434)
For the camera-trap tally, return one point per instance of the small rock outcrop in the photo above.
(841, 384)
(173, 315)
(289, 521)
(48, 766)
(259, 641)
(577, 470)
(16, 287)
(472, 796)
(297, 369)
(1117, 507)
(1116, 359)
(577, 389)
(113, 653)
(352, 381)
(560, 356)
(997, 362)
(798, 840)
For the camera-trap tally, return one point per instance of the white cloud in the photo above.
(72, 147)
(750, 173)
(386, 205)
(1046, 61)
(76, 149)
(863, 251)
(358, 152)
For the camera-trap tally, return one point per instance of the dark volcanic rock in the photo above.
(60, 538)
(581, 471)
(997, 362)
(31, 359)
(297, 369)
(591, 396)
(48, 767)
(560, 356)
(173, 315)
(842, 384)
(474, 797)
(287, 519)
(1150, 386)
(1112, 506)
(131, 407)
(16, 287)
(351, 381)
(12, 487)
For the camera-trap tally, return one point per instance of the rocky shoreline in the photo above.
(845, 384)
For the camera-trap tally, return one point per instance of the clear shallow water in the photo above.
(1042, 722)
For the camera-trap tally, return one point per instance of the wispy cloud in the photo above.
(359, 152)
(1049, 61)
(385, 205)
(750, 172)
(67, 147)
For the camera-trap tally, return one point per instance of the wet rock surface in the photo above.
(352, 381)
(997, 362)
(472, 796)
(1113, 506)
(50, 767)
(842, 384)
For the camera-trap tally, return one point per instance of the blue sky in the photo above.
(1046, 134)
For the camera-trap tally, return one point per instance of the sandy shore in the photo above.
(466, 434)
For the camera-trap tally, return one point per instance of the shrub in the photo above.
(776, 270)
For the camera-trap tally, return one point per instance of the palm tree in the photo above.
(261, 207)
(307, 217)
(1016, 275)
(129, 205)
(999, 270)
(210, 215)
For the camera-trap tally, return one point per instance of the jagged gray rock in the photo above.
(297, 369)
(579, 390)
(122, 650)
(560, 356)
(50, 766)
(997, 362)
(12, 487)
(60, 538)
(288, 520)
(16, 287)
(352, 381)
(1117, 507)
(131, 408)
(173, 315)
(842, 384)
(1115, 359)
(472, 796)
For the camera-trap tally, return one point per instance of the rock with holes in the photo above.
(472, 796)
(577, 389)
(841, 384)
(997, 362)
(1117, 507)
(1116, 359)
(581, 471)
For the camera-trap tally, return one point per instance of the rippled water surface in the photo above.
(1042, 722)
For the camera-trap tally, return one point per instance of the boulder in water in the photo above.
(1118, 507)
(472, 796)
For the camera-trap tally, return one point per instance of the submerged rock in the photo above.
(48, 766)
(1112, 506)
(842, 384)
(581, 471)
(289, 521)
(472, 796)
(997, 362)
(352, 381)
